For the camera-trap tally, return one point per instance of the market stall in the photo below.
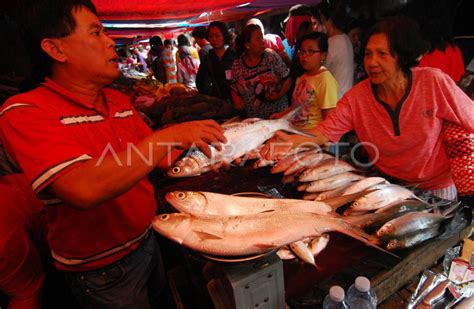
(304, 285)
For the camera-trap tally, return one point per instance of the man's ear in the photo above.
(53, 48)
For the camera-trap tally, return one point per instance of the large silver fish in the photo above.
(364, 184)
(326, 169)
(200, 203)
(413, 240)
(246, 235)
(242, 138)
(408, 224)
(384, 195)
(332, 182)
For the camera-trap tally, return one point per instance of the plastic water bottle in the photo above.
(335, 299)
(360, 295)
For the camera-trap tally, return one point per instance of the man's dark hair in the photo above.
(404, 39)
(167, 42)
(40, 19)
(199, 32)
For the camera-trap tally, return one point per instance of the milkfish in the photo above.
(200, 203)
(332, 193)
(325, 169)
(408, 224)
(315, 246)
(247, 235)
(363, 184)
(332, 182)
(384, 195)
(308, 161)
(242, 138)
(302, 251)
(289, 160)
(413, 240)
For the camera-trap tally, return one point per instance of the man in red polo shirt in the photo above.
(87, 153)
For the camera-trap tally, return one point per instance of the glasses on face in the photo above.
(307, 52)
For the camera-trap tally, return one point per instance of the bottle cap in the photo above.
(362, 284)
(336, 293)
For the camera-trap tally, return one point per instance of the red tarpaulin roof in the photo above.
(159, 9)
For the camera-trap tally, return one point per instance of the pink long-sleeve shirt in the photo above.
(405, 143)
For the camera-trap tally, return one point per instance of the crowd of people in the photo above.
(98, 213)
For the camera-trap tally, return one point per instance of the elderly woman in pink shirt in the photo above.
(398, 112)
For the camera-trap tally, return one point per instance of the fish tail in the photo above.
(289, 127)
(449, 212)
(362, 236)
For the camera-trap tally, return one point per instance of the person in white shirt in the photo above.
(340, 58)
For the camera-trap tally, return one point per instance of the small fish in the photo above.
(332, 182)
(308, 161)
(413, 240)
(284, 163)
(285, 253)
(408, 224)
(384, 195)
(302, 251)
(318, 244)
(332, 193)
(364, 184)
(291, 178)
(325, 169)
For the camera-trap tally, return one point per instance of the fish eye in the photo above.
(181, 195)
(176, 169)
(165, 217)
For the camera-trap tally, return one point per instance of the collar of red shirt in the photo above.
(53, 86)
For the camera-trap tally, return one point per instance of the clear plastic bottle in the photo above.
(360, 295)
(335, 299)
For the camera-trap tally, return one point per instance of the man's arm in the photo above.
(97, 180)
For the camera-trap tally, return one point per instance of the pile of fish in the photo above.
(226, 225)
(394, 212)
(242, 138)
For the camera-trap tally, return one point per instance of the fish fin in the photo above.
(289, 116)
(292, 129)
(448, 213)
(267, 211)
(206, 235)
(266, 246)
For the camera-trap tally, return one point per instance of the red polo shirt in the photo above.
(48, 132)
